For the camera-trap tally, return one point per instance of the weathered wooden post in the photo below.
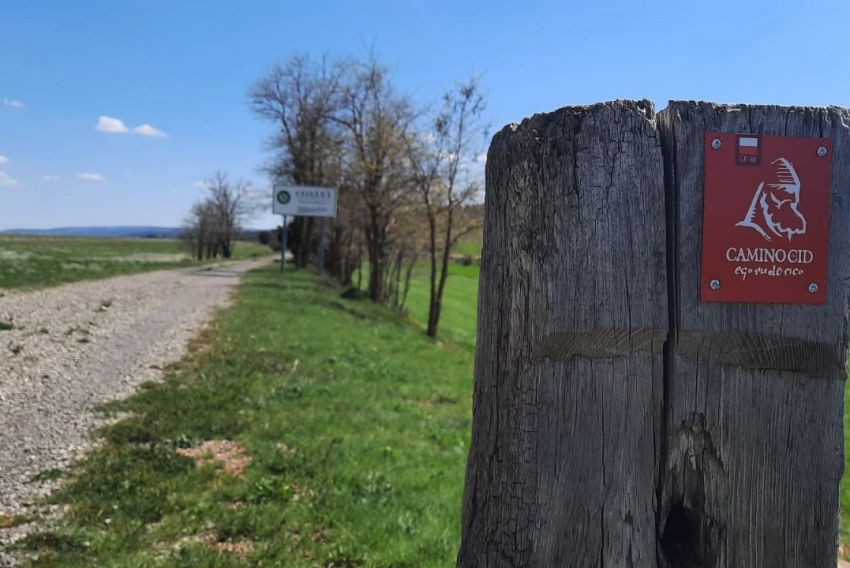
(616, 428)
(572, 321)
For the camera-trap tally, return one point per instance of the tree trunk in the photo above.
(407, 274)
(335, 246)
(433, 300)
(572, 318)
(437, 301)
(376, 275)
(593, 446)
(376, 247)
(301, 241)
(359, 263)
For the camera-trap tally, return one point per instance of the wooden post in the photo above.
(611, 429)
(572, 320)
(753, 445)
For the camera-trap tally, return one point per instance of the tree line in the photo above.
(211, 229)
(405, 173)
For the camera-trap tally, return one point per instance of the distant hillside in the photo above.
(125, 231)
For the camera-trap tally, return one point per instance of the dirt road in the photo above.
(81, 344)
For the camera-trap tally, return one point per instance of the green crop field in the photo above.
(37, 261)
(357, 426)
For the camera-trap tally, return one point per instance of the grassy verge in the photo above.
(38, 261)
(459, 314)
(470, 244)
(471, 248)
(356, 426)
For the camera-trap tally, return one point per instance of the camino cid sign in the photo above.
(305, 201)
(765, 218)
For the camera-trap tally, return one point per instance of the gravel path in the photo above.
(81, 344)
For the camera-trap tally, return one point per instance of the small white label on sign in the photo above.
(305, 201)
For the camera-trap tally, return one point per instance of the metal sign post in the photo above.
(321, 259)
(306, 201)
(283, 245)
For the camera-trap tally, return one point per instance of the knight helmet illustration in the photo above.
(773, 211)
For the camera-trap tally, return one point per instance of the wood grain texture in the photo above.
(572, 317)
(753, 449)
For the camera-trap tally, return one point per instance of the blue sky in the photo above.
(184, 68)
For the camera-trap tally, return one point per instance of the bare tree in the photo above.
(345, 238)
(214, 223)
(404, 248)
(377, 120)
(299, 96)
(441, 158)
(197, 230)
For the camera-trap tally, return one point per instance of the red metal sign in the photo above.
(765, 231)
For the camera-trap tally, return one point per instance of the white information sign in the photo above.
(304, 201)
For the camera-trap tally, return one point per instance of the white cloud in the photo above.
(200, 184)
(112, 125)
(148, 130)
(90, 176)
(6, 180)
(116, 126)
(3, 159)
(51, 177)
(13, 103)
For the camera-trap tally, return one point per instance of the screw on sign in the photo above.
(765, 218)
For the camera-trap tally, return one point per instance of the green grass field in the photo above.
(37, 261)
(470, 245)
(357, 424)
(460, 302)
